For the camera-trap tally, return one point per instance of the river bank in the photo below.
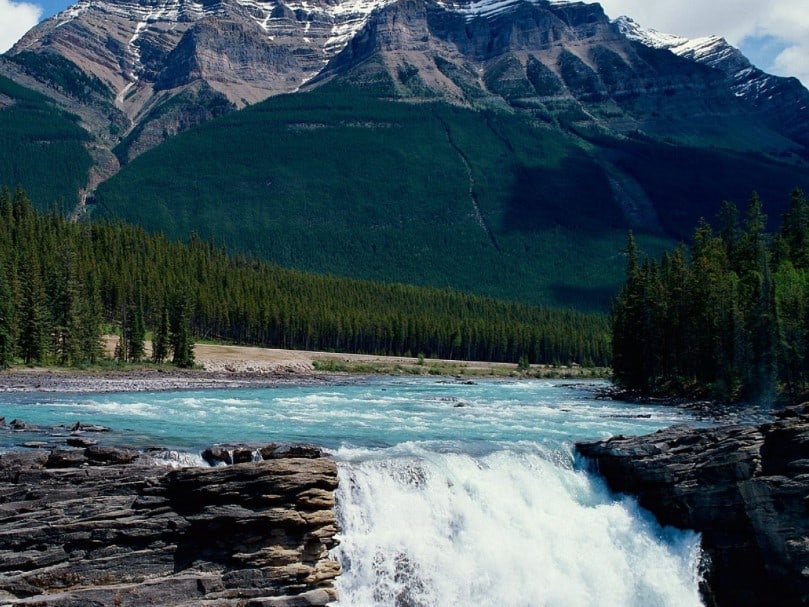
(438, 471)
(225, 366)
(107, 526)
(743, 487)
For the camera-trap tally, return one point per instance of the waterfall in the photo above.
(518, 527)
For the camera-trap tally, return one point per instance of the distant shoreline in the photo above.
(222, 366)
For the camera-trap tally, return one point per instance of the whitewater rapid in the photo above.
(519, 527)
(452, 493)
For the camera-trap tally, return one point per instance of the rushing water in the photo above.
(450, 494)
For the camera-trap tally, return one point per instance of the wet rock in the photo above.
(65, 458)
(305, 451)
(80, 427)
(80, 528)
(99, 455)
(35, 444)
(80, 441)
(19, 425)
(744, 488)
(217, 455)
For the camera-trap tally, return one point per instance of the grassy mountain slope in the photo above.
(42, 149)
(490, 202)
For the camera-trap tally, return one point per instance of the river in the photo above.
(451, 493)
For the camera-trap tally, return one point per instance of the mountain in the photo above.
(783, 103)
(501, 147)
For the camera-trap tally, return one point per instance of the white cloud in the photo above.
(735, 20)
(16, 19)
(792, 62)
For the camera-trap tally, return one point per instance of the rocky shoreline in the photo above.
(106, 526)
(745, 488)
(151, 380)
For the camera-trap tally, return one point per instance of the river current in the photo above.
(451, 493)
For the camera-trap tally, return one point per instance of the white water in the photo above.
(450, 494)
(517, 527)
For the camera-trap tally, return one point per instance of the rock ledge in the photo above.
(745, 488)
(106, 527)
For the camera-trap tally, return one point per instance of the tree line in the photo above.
(727, 317)
(61, 283)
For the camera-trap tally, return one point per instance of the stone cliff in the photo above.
(744, 488)
(106, 526)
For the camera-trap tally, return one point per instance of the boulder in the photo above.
(100, 526)
(744, 488)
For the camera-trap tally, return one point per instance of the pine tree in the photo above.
(160, 339)
(33, 319)
(136, 328)
(182, 344)
(91, 313)
(7, 320)
(67, 324)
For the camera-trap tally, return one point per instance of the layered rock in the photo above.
(140, 71)
(781, 102)
(106, 526)
(744, 488)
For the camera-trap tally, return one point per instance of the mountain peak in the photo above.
(781, 102)
(708, 50)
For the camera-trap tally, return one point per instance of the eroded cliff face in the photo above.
(140, 71)
(744, 488)
(101, 526)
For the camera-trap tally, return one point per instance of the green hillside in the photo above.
(60, 280)
(42, 149)
(491, 202)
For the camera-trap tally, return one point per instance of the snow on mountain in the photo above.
(490, 8)
(746, 80)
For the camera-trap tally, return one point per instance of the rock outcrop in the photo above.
(744, 488)
(107, 526)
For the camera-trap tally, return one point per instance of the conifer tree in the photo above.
(160, 339)
(182, 344)
(136, 328)
(66, 298)
(7, 320)
(91, 313)
(33, 319)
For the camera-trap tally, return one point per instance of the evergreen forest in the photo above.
(62, 284)
(727, 317)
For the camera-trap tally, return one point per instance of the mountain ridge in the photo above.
(447, 143)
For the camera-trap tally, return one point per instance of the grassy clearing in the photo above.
(458, 369)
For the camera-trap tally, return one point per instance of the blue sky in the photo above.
(773, 35)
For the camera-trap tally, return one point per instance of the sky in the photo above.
(773, 35)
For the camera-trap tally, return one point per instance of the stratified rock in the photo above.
(80, 441)
(744, 488)
(217, 455)
(299, 450)
(18, 424)
(81, 528)
(80, 427)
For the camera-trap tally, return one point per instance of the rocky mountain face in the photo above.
(516, 95)
(743, 487)
(139, 71)
(781, 102)
(108, 526)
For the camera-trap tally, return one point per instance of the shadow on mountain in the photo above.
(591, 299)
(576, 195)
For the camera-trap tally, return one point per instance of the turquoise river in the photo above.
(451, 493)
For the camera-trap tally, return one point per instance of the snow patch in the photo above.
(747, 80)
(490, 8)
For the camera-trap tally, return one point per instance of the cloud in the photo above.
(792, 62)
(738, 21)
(16, 19)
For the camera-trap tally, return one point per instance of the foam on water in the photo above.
(512, 528)
(450, 494)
